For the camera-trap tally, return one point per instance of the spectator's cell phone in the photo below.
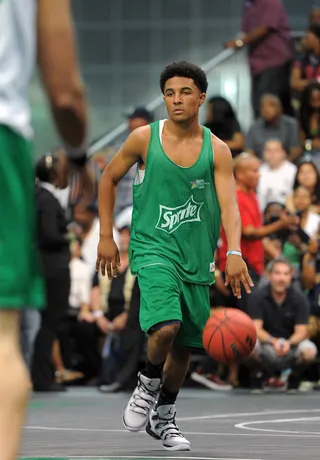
(303, 236)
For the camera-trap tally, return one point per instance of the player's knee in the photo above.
(16, 378)
(166, 333)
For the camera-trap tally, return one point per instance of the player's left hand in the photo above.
(237, 273)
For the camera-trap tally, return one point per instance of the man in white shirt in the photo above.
(85, 216)
(81, 281)
(277, 174)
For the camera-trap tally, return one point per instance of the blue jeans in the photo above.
(30, 324)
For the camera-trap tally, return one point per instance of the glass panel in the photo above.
(123, 46)
(231, 80)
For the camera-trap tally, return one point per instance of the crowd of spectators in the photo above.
(89, 333)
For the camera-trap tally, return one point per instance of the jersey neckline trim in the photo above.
(161, 127)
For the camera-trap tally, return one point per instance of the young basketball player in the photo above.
(41, 27)
(184, 182)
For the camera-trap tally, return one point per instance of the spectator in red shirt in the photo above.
(266, 31)
(246, 169)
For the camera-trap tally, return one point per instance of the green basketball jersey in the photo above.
(176, 213)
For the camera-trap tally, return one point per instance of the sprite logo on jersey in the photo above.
(170, 219)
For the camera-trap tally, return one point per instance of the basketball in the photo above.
(229, 335)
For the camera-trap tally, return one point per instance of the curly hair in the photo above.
(187, 70)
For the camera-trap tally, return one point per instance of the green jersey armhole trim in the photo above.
(140, 174)
(211, 146)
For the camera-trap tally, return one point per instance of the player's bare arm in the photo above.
(58, 65)
(59, 70)
(236, 269)
(134, 149)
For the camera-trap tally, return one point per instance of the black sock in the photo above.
(153, 371)
(166, 397)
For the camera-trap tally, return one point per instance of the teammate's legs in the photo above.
(14, 385)
(17, 272)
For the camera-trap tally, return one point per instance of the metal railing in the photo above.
(110, 137)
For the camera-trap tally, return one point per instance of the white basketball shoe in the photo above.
(136, 413)
(162, 425)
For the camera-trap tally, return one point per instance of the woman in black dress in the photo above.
(53, 246)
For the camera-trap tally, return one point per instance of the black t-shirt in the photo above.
(309, 64)
(116, 300)
(52, 243)
(278, 320)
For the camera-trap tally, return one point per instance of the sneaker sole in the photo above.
(257, 391)
(211, 385)
(179, 447)
(275, 390)
(155, 437)
(151, 433)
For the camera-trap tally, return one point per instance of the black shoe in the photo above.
(54, 387)
(294, 382)
(256, 383)
(317, 386)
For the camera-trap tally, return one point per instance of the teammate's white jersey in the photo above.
(17, 59)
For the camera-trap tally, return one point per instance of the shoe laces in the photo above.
(168, 428)
(142, 399)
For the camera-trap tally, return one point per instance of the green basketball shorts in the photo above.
(21, 284)
(165, 297)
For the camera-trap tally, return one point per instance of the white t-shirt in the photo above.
(275, 184)
(124, 218)
(17, 61)
(312, 224)
(81, 282)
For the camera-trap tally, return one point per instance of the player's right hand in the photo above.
(236, 273)
(108, 257)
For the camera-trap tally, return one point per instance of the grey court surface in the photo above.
(83, 424)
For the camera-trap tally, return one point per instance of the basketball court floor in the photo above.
(83, 424)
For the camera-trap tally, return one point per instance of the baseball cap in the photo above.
(141, 112)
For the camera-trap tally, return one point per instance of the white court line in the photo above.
(247, 414)
(149, 457)
(245, 425)
(191, 433)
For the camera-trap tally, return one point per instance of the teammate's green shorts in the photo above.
(21, 284)
(165, 297)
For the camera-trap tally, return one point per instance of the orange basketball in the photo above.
(229, 335)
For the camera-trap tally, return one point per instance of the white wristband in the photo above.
(234, 253)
